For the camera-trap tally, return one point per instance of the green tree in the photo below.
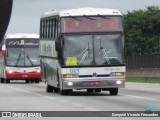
(140, 33)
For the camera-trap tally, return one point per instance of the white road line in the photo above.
(146, 98)
(18, 89)
(64, 101)
(91, 109)
(54, 98)
(76, 104)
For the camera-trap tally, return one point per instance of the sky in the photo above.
(26, 14)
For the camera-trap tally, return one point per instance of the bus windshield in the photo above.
(19, 54)
(91, 50)
(91, 24)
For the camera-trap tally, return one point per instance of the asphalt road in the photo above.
(19, 96)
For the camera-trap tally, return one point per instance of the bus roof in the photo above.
(22, 35)
(82, 12)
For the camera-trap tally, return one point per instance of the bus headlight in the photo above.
(118, 82)
(70, 75)
(117, 74)
(38, 70)
(10, 71)
(70, 83)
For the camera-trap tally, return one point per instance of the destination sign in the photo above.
(22, 42)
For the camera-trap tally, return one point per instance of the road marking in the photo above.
(54, 98)
(64, 101)
(76, 104)
(18, 89)
(146, 98)
(91, 109)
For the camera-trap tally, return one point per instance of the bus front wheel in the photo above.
(2, 80)
(27, 81)
(37, 81)
(6, 80)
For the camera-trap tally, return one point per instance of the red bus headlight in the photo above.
(10, 71)
(38, 70)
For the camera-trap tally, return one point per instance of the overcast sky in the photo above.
(26, 13)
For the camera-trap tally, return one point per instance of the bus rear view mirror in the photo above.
(3, 50)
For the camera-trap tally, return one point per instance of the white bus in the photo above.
(19, 58)
(82, 49)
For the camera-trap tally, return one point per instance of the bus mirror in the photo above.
(3, 50)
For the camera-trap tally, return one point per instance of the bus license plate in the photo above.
(95, 83)
(24, 75)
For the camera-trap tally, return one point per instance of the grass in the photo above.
(143, 79)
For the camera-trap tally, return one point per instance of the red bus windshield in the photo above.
(91, 24)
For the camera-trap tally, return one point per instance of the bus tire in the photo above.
(56, 90)
(113, 91)
(6, 80)
(2, 80)
(49, 89)
(37, 81)
(27, 81)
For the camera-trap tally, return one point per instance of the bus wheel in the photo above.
(49, 89)
(27, 81)
(2, 80)
(36, 81)
(113, 91)
(6, 80)
(89, 90)
(56, 90)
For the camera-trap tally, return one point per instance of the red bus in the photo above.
(19, 58)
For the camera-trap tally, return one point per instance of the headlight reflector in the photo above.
(117, 74)
(70, 76)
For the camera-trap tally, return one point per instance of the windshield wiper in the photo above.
(75, 18)
(19, 56)
(89, 17)
(104, 17)
(104, 54)
(86, 51)
(29, 59)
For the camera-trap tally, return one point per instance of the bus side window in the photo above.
(46, 21)
(55, 31)
(51, 28)
(48, 27)
(43, 28)
(59, 27)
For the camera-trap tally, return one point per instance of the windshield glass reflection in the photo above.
(84, 50)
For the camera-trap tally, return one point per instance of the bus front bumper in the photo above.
(93, 83)
(23, 76)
